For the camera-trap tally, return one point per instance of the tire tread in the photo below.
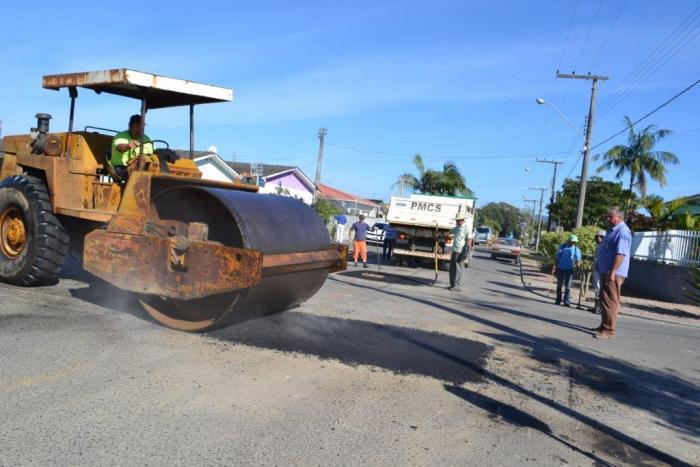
(50, 238)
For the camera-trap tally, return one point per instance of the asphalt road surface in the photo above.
(379, 370)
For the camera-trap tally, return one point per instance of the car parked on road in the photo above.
(508, 248)
(375, 235)
(483, 235)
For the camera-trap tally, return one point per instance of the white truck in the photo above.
(422, 223)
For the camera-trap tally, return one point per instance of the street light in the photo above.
(541, 101)
(584, 168)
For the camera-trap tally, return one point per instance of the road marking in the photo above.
(41, 378)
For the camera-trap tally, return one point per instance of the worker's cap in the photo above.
(460, 216)
(573, 238)
(362, 216)
(136, 118)
(601, 233)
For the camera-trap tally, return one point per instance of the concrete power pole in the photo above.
(587, 144)
(532, 216)
(539, 217)
(554, 187)
(321, 136)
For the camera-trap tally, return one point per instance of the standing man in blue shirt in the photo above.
(359, 243)
(389, 242)
(612, 263)
(568, 257)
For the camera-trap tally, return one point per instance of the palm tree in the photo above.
(664, 214)
(453, 181)
(638, 157)
(449, 181)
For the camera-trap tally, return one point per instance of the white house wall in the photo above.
(211, 172)
(303, 195)
(214, 168)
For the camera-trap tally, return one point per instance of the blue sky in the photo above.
(450, 80)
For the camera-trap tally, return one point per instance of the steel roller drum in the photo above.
(268, 223)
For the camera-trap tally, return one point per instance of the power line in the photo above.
(575, 165)
(607, 37)
(445, 156)
(651, 73)
(568, 32)
(581, 97)
(657, 58)
(462, 142)
(676, 135)
(649, 114)
(552, 96)
(588, 35)
(648, 59)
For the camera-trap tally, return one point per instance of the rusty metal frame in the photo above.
(162, 266)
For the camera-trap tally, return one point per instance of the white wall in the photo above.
(210, 170)
(303, 195)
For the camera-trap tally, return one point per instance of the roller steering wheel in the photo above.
(167, 146)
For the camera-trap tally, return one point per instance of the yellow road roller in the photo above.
(199, 254)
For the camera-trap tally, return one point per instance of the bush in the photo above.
(326, 209)
(550, 242)
(549, 245)
(586, 242)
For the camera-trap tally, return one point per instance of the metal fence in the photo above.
(680, 247)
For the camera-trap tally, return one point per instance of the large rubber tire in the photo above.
(39, 258)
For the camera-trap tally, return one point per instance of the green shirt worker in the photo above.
(125, 146)
(460, 248)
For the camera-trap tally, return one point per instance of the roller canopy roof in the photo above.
(159, 91)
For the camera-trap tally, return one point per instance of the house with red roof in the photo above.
(349, 203)
(281, 180)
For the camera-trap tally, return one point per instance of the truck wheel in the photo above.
(33, 243)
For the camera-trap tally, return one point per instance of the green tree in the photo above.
(600, 195)
(504, 218)
(449, 181)
(326, 209)
(549, 245)
(664, 215)
(638, 157)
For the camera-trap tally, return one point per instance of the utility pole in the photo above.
(587, 144)
(554, 186)
(321, 136)
(532, 216)
(539, 217)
